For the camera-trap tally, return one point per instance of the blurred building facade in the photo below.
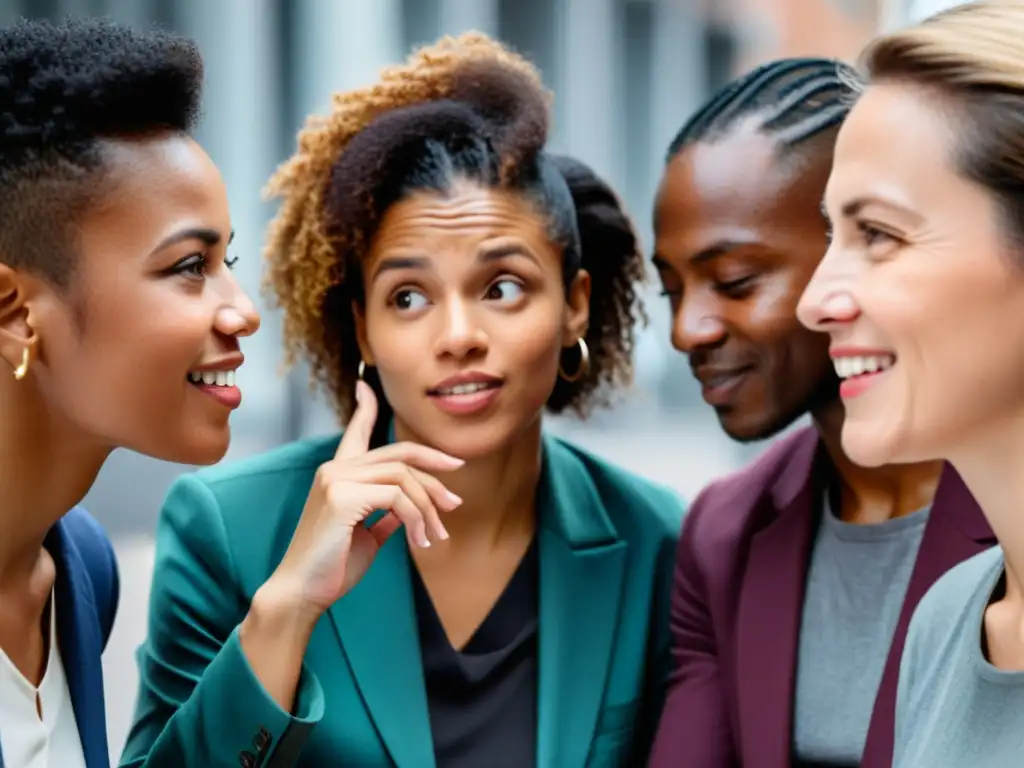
(626, 74)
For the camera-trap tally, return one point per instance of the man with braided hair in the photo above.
(448, 281)
(796, 577)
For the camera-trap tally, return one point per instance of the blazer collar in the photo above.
(772, 594)
(582, 569)
(81, 646)
(582, 562)
(771, 598)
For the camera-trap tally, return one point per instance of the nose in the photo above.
(827, 300)
(461, 335)
(238, 316)
(696, 324)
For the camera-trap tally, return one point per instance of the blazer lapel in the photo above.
(78, 636)
(956, 530)
(376, 623)
(769, 614)
(582, 561)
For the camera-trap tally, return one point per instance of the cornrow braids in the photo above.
(793, 100)
(465, 108)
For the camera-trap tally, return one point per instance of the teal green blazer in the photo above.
(607, 548)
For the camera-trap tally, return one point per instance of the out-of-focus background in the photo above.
(626, 74)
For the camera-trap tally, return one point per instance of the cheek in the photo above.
(132, 356)
(772, 309)
(952, 329)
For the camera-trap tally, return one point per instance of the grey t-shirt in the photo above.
(953, 708)
(856, 584)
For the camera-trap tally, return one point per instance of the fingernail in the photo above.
(359, 391)
(456, 462)
(425, 543)
(455, 500)
(443, 533)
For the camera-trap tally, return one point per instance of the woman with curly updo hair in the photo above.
(448, 281)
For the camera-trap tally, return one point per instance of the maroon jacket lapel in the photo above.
(771, 599)
(956, 530)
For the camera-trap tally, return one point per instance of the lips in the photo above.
(720, 386)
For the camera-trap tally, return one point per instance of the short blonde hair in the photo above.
(972, 58)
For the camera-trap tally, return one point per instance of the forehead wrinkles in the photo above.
(414, 222)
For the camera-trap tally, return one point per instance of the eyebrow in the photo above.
(853, 208)
(484, 256)
(712, 252)
(206, 235)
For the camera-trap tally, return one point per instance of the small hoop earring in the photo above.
(361, 370)
(22, 370)
(583, 368)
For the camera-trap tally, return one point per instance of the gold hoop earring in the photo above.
(361, 370)
(22, 370)
(583, 368)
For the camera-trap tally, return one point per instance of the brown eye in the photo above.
(408, 300)
(192, 266)
(504, 290)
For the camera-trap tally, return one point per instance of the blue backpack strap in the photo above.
(98, 555)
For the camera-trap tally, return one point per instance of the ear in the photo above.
(359, 313)
(577, 309)
(16, 331)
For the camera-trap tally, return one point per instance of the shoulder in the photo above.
(625, 495)
(956, 595)
(725, 505)
(276, 474)
(251, 505)
(88, 537)
(82, 534)
(301, 457)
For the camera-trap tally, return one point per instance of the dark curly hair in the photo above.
(465, 108)
(64, 88)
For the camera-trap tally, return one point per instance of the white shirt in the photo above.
(26, 739)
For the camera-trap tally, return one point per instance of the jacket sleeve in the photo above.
(199, 703)
(694, 728)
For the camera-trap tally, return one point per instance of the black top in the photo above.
(483, 699)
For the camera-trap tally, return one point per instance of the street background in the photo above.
(626, 74)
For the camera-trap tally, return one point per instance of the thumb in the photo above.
(356, 440)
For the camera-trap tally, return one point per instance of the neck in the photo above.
(497, 490)
(45, 470)
(992, 466)
(875, 494)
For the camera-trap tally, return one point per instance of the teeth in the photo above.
(213, 378)
(465, 389)
(847, 367)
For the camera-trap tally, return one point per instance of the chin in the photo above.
(201, 447)
(471, 443)
(869, 444)
(750, 428)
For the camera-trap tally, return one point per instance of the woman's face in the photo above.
(918, 291)
(151, 301)
(466, 317)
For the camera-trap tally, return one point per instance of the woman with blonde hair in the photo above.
(449, 281)
(924, 280)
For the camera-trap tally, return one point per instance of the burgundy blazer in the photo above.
(737, 601)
